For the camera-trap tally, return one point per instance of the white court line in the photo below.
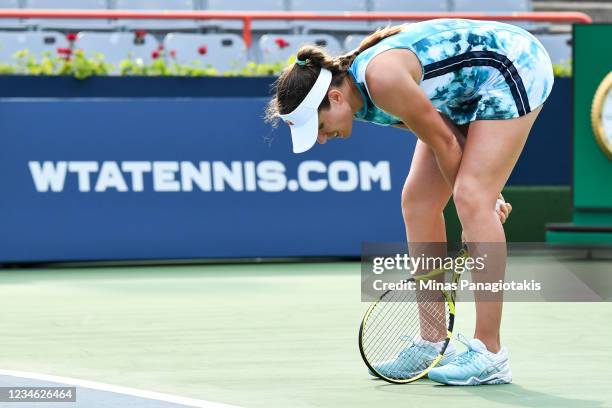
(191, 402)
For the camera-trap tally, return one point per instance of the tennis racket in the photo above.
(391, 324)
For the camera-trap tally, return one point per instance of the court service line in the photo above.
(134, 392)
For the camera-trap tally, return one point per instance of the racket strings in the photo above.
(415, 353)
(400, 347)
(382, 316)
(395, 322)
(388, 345)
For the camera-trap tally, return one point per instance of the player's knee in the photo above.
(417, 204)
(469, 199)
(407, 197)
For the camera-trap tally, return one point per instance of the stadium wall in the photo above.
(183, 168)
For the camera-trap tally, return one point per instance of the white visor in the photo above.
(304, 120)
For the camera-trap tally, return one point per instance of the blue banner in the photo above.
(169, 178)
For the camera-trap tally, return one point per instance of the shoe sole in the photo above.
(503, 377)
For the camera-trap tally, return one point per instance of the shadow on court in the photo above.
(516, 395)
(507, 394)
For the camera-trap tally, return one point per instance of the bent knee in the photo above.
(416, 202)
(471, 199)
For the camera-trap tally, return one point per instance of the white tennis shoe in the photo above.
(475, 366)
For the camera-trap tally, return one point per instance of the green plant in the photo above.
(563, 69)
(253, 69)
(163, 65)
(76, 63)
(68, 62)
(7, 69)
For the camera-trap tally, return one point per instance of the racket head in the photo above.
(391, 319)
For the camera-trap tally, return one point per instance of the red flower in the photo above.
(203, 50)
(155, 54)
(160, 47)
(173, 54)
(140, 33)
(281, 43)
(66, 51)
(71, 36)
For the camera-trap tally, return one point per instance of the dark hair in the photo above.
(295, 81)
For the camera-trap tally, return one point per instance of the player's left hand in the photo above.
(503, 208)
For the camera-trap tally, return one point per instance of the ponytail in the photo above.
(347, 59)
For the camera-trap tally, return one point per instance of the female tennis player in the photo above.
(470, 91)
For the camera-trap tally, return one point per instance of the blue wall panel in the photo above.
(346, 192)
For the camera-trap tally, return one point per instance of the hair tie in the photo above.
(300, 62)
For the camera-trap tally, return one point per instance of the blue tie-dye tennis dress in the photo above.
(472, 70)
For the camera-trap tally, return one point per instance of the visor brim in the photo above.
(304, 136)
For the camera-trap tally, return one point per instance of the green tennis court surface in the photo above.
(267, 335)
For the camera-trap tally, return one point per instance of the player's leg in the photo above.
(491, 152)
(426, 193)
(424, 197)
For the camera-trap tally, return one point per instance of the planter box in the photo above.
(24, 86)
